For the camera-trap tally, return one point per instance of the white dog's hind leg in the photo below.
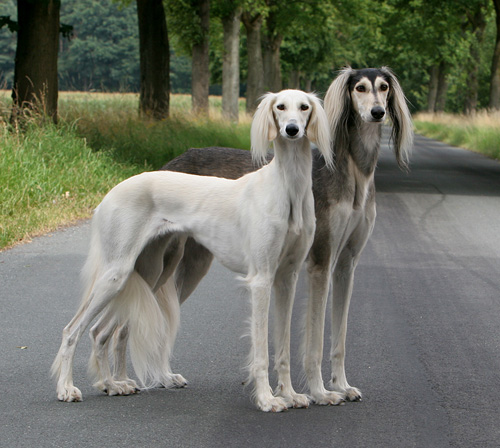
(101, 334)
(105, 289)
(121, 378)
(169, 303)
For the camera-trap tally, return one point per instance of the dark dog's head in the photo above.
(369, 89)
(372, 94)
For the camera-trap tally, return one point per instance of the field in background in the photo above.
(53, 175)
(479, 132)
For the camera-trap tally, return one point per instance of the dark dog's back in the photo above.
(217, 161)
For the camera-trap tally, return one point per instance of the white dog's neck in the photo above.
(293, 164)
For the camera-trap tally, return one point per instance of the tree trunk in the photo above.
(255, 79)
(35, 72)
(271, 57)
(442, 88)
(294, 80)
(272, 66)
(154, 98)
(200, 70)
(433, 88)
(231, 66)
(495, 65)
(471, 95)
(308, 85)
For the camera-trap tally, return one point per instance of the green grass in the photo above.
(54, 175)
(480, 132)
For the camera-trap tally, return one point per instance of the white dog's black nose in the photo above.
(292, 130)
(378, 112)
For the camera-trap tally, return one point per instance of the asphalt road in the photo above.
(423, 337)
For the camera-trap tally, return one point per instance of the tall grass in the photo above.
(52, 175)
(49, 177)
(111, 121)
(479, 132)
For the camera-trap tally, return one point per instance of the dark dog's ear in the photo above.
(338, 107)
(402, 125)
(263, 128)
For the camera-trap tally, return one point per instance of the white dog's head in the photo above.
(291, 115)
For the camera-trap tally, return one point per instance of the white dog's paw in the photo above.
(69, 394)
(293, 399)
(174, 380)
(328, 398)
(298, 401)
(122, 388)
(114, 387)
(351, 393)
(271, 404)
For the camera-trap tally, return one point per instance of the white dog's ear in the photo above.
(263, 128)
(318, 129)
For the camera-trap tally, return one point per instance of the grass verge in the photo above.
(479, 132)
(54, 175)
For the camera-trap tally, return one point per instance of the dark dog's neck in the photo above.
(356, 154)
(364, 144)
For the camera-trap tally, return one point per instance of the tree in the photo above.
(272, 38)
(477, 22)
(189, 21)
(494, 102)
(35, 73)
(252, 18)
(154, 59)
(200, 61)
(230, 14)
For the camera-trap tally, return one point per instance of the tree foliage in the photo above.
(418, 39)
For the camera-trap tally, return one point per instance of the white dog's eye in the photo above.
(361, 88)
(304, 107)
(384, 87)
(280, 107)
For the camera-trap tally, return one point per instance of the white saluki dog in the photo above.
(260, 225)
(357, 103)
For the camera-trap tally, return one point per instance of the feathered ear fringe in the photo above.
(263, 128)
(402, 126)
(318, 130)
(338, 107)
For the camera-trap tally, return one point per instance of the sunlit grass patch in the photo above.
(478, 132)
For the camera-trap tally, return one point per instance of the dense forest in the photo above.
(442, 51)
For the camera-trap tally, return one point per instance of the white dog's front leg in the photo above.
(284, 288)
(259, 358)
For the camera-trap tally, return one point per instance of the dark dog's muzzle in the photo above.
(378, 112)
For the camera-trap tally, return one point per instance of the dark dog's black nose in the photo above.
(378, 112)
(292, 130)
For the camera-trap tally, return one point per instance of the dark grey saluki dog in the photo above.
(356, 104)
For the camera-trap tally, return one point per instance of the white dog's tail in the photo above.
(153, 322)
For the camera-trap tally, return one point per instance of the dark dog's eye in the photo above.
(280, 107)
(304, 107)
(384, 87)
(361, 88)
